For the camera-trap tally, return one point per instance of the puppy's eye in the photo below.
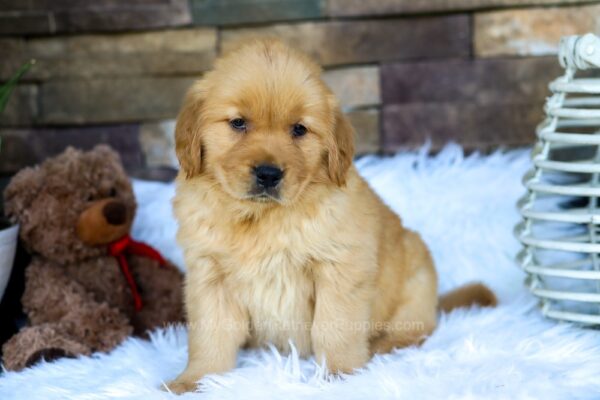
(239, 124)
(298, 130)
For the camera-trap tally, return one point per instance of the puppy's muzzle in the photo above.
(267, 176)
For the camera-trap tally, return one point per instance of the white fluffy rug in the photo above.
(465, 209)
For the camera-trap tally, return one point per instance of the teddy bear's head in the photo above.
(73, 205)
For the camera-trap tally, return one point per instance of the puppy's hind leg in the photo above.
(407, 328)
(413, 320)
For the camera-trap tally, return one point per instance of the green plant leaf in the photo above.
(6, 89)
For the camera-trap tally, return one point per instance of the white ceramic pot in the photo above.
(8, 246)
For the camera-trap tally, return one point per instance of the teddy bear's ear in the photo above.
(21, 191)
(106, 151)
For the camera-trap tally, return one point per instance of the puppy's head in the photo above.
(264, 126)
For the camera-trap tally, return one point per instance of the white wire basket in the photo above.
(560, 230)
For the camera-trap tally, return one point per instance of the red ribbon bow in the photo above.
(126, 245)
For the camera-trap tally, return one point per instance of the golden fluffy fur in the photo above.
(320, 259)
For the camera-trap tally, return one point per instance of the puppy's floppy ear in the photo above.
(188, 144)
(340, 148)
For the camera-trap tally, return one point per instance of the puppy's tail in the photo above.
(466, 296)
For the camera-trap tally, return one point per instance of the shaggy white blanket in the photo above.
(465, 209)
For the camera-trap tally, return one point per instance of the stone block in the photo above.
(23, 23)
(22, 107)
(531, 31)
(237, 12)
(111, 100)
(366, 125)
(39, 17)
(354, 8)
(171, 52)
(364, 41)
(157, 140)
(26, 147)
(482, 81)
(476, 127)
(355, 86)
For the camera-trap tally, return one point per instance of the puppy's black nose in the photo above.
(267, 176)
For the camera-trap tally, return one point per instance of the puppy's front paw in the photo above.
(345, 362)
(181, 385)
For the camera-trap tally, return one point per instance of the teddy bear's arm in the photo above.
(51, 296)
(161, 288)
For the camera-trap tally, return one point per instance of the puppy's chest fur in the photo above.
(268, 266)
(279, 304)
(270, 269)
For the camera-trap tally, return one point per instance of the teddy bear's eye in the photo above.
(90, 197)
(113, 192)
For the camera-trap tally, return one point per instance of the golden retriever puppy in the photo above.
(283, 240)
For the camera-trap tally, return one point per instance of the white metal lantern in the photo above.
(560, 230)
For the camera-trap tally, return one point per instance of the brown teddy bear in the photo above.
(89, 285)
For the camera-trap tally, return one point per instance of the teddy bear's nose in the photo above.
(115, 213)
